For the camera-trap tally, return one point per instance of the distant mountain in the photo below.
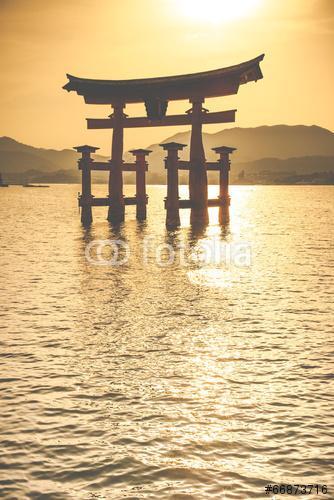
(261, 152)
(278, 141)
(16, 157)
(304, 164)
(278, 171)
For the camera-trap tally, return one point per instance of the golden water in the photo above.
(194, 380)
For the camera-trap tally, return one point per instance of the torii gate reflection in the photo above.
(155, 93)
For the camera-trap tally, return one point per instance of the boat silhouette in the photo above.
(35, 185)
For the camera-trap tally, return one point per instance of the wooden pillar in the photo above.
(85, 200)
(224, 161)
(172, 200)
(141, 168)
(116, 199)
(198, 181)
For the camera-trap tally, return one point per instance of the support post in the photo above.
(141, 168)
(198, 181)
(225, 199)
(85, 200)
(116, 200)
(172, 200)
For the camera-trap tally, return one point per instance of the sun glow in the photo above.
(217, 11)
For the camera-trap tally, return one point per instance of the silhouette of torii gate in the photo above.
(155, 93)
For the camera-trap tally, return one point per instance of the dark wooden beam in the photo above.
(105, 202)
(167, 121)
(106, 166)
(186, 165)
(212, 165)
(129, 167)
(100, 165)
(215, 202)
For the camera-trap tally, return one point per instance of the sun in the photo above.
(217, 11)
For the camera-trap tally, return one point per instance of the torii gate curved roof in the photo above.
(216, 83)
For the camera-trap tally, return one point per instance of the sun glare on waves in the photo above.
(217, 11)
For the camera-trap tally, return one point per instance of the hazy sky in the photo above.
(43, 40)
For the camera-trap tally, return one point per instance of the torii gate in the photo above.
(155, 93)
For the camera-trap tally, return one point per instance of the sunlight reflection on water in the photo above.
(201, 379)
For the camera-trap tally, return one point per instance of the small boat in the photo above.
(35, 185)
(3, 184)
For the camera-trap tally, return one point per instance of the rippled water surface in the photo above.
(195, 380)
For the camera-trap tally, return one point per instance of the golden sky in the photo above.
(43, 40)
